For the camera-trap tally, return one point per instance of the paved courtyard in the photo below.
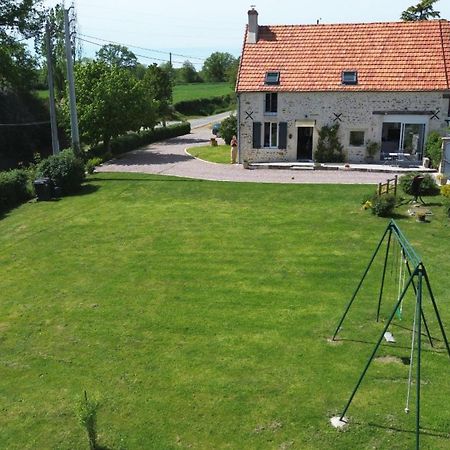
(170, 158)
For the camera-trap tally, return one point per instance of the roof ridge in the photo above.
(405, 23)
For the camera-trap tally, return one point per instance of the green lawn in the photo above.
(43, 94)
(218, 154)
(198, 313)
(193, 91)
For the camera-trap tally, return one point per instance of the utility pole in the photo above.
(54, 127)
(71, 81)
(170, 59)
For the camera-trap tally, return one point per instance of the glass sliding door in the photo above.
(413, 139)
(403, 137)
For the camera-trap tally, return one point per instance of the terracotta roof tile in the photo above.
(391, 56)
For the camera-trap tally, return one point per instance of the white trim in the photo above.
(406, 118)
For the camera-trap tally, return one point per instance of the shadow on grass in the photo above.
(424, 432)
(388, 345)
(86, 189)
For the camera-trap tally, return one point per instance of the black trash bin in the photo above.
(43, 189)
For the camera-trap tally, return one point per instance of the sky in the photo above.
(196, 28)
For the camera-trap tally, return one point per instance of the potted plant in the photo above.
(372, 149)
(442, 179)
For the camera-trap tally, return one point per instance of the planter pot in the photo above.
(442, 180)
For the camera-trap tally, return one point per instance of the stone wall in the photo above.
(320, 108)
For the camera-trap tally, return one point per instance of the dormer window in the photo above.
(349, 77)
(272, 78)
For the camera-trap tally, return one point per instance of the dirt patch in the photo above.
(389, 360)
(273, 426)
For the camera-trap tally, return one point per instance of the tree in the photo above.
(217, 65)
(110, 102)
(422, 11)
(188, 74)
(228, 128)
(232, 72)
(157, 82)
(19, 20)
(117, 55)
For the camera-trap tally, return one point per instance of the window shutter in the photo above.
(282, 136)
(256, 134)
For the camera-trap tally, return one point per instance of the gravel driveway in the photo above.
(169, 158)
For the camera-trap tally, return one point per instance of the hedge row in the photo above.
(132, 141)
(205, 106)
(15, 188)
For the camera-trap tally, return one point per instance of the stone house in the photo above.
(381, 82)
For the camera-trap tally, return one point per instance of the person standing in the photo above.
(234, 145)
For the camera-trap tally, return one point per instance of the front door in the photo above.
(305, 143)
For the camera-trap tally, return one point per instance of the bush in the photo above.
(15, 188)
(132, 141)
(445, 191)
(205, 106)
(64, 170)
(428, 186)
(383, 205)
(329, 149)
(228, 128)
(433, 148)
(92, 163)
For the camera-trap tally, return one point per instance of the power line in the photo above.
(136, 54)
(143, 48)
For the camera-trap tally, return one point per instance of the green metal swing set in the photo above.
(412, 274)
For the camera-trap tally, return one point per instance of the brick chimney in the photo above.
(252, 34)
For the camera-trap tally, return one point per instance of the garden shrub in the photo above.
(383, 205)
(64, 170)
(428, 186)
(228, 128)
(433, 148)
(92, 163)
(15, 188)
(445, 191)
(329, 149)
(132, 141)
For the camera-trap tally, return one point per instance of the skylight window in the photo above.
(349, 77)
(272, 78)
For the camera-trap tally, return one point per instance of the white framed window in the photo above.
(271, 134)
(271, 103)
(357, 138)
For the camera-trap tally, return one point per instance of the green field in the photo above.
(183, 92)
(42, 94)
(199, 313)
(195, 91)
(218, 154)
